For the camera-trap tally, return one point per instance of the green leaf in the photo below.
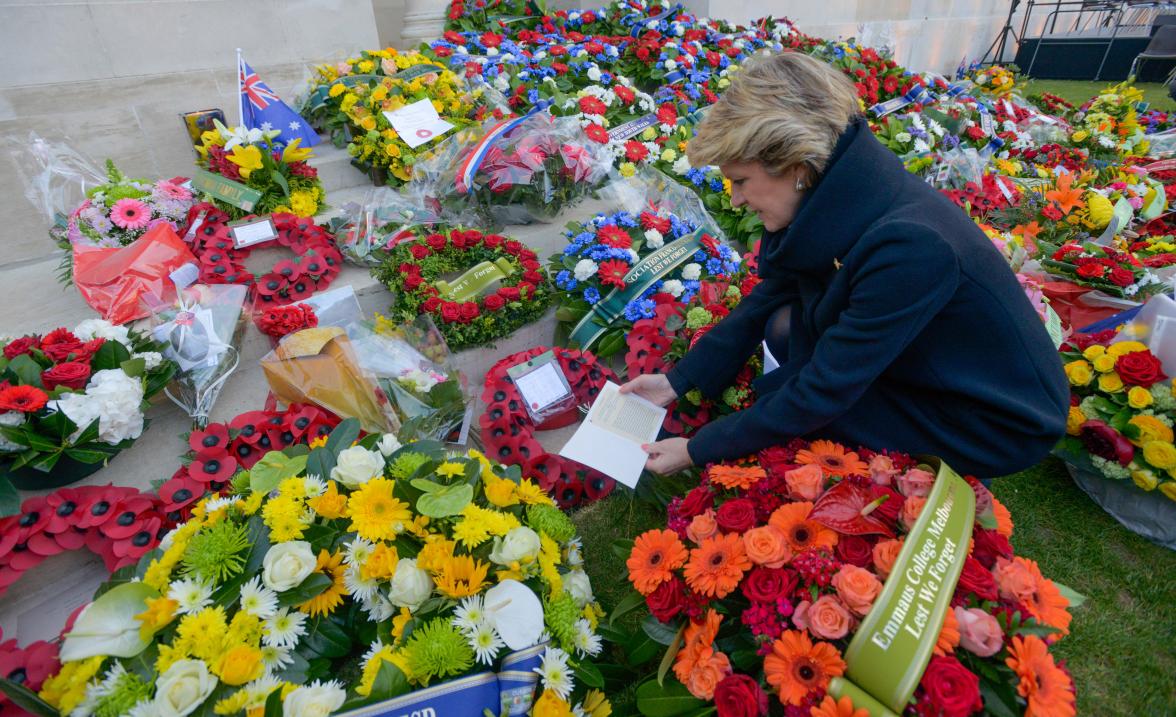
(28, 371)
(9, 498)
(83, 455)
(312, 586)
(668, 658)
(1076, 598)
(320, 463)
(327, 639)
(342, 437)
(995, 704)
(26, 699)
(273, 468)
(622, 548)
(390, 682)
(109, 356)
(135, 367)
(282, 182)
(627, 604)
(273, 704)
(660, 632)
(666, 700)
(641, 649)
(587, 673)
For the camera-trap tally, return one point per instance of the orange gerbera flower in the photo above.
(656, 555)
(1047, 603)
(838, 708)
(1066, 197)
(796, 666)
(1045, 686)
(802, 534)
(1004, 519)
(717, 565)
(736, 477)
(949, 636)
(833, 459)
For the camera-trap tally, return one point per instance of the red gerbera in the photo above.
(624, 94)
(614, 237)
(653, 221)
(667, 114)
(592, 106)
(635, 151)
(612, 273)
(27, 399)
(596, 133)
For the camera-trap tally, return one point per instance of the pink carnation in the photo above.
(130, 214)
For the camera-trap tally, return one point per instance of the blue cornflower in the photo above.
(565, 280)
(591, 295)
(716, 184)
(532, 96)
(584, 237)
(571, 249)
(626, 219)
(699, 256)
(714, 266)
(696, 176)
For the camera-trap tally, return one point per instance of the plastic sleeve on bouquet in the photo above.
(114, 282)
(319, 366)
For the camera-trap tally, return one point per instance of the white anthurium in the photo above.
(516, 613)
(108, 626)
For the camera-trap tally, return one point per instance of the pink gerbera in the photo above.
(171, 190)
(130, 214)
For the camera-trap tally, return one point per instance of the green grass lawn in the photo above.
(1078, 91)
(1122, 643)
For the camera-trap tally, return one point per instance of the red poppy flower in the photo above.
(129, 515)
(213, 464)
(43, 545)
(568, 491)
(61, 507)
(99, 506)
(597, 485)
(612, 273)
(180, 492)
(128, 550)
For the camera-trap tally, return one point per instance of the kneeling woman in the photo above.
(895, 322)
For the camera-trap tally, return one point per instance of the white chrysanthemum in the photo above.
(358, 551)
(585, 269)
(275, 658)
(258, 600)
(594, 74)
(258, 691)
(575, 552)
(673, 287)
(284, 629)
(586, 641)
(360, 588)
(151, 359)
(191, 595)
(692, 271)
(212, 505)
(485, 643)
(654, 239)
(555, 673)
(143, 708)
(314, 486)
(379, 608)
(470, 614)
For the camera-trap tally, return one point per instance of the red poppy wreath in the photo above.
(509, 435)
(316, 263)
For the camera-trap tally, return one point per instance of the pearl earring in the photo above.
(800, 185)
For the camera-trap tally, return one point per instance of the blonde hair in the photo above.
(784, 111)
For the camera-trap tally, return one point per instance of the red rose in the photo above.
(855, 550)
(1092, 271)
(976, 579)
(668, 600)
(696, 502)
(951, 688)
(768, 584)
(740, 696)
(736, 516)
(492, 240)
(450, 312)
(526, 290)
(513, 247)
(59, 344)
(494, 302)
(412, 282)
(1121, 277)
(533, 277)
(988, 545)
(1140, 368)
(418, 251)
(469, 311)
(23, 345)
(431, 304)
(71, 374)
(530, 265)
(436, 242)
(510, 293)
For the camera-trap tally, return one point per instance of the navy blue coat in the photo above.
(908, 331)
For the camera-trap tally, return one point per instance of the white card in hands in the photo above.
(417, 123)
(612, 433)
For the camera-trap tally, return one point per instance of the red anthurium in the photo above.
(848, 508)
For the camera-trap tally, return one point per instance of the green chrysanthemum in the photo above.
(125, 691)
(216, 553)
(406, 464)
(437, 650)
(560, 615)
(698, 317)
(551, 520)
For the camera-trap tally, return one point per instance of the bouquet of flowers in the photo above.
(424, 568)
(122, 210)
(1108, 126)
(994, 80)
(601, 290)
(71, 400)
(778, 577)
(502, 285)
(1102, 268)
(279, 177)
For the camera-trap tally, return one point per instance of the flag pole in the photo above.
(240, 94)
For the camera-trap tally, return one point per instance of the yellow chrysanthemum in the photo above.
(67, 688)
(434, 555)
(202, 634)
(449, 469)
(477, 525)
(325, 602)
(529, 493)
(376, 514)
(336, 89)
(499, 491)
(549, 559)
(285, 517)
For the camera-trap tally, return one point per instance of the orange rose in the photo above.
(828, 619)
(702, 527)
(706, 675)
(885, 553)
(1014, 580)
(767, 546)
(857, 587)
(911, 507)
(805, 482)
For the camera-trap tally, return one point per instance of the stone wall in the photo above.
(112, 76)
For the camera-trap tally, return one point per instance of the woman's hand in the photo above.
(653, 387)
(667, 456)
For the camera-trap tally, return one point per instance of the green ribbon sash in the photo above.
(887, 656)
(476, 280)
(225, 189)
(643, 275)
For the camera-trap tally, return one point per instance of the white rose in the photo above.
(102, 329)
(580, 587)
(287, 564)
(314, 700)
(594, 74)
(388, 444)
(520, 545)
(654, 239)
(585, 270)
(356, 466)
(691, 272)
(673, 287)
(183, 687)
(410, 586)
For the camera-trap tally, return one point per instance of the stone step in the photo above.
(335, 170)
